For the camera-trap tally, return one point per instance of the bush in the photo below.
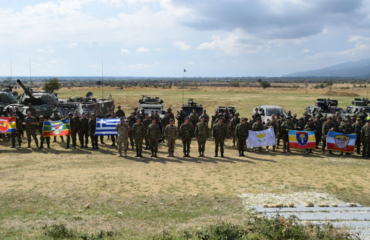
(61, 232)
(321, 85)
(265, 84)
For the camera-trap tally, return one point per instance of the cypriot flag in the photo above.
(261, 138)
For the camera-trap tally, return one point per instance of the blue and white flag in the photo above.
(106, 127)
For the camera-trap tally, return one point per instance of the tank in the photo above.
(43, 101)
(87, 104)
(149, 104)
(188, 108)
(7, 97)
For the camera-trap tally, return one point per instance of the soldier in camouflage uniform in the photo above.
(347, 129)
(21, 116)
(138, 133)
(31, 124)
(138, 115)
(319, 113)
(164, 122)
(257, 126)
(122, 129)
(74, 128)
(241, 133)
(294, 119)
(154, 134)
(205, 116)
(194, 119)
(113, 137)
(120, 113)
(310, 126)
(131, 121)
(31, 109)
(213, 119)
(18, 134)
(83, 131)
(272, 124)
(256, 113)
(227, 117)
(252, 121)
(171, 133)
(280, 122)
(40, 129)
(305, 118)
(180, 118)
(365, 139)
(326, 127)
(56, 117)
(92, 129)
(158, 120)
(219, 133)
(285, 127)
(201, 134)
(318, 132)
(98, 115)
(324, 118)
(235, 121)
(357, 126)
(170, 114)
(300, 125)
(186, 133)
(146, 123)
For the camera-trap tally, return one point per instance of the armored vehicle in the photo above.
(330, 107)
(43, 101)
(88, 105)
(150, 104)
(267, 110)
(188, 108)
(357, 105)
(7, 96)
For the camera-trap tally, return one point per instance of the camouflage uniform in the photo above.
(193, 120)
(31, 130)
(206, 117)
(258, 127)
(56, 117)
(325, 129)
(146, 124)
(235, 121)
(171, 115)
(18, 134)
(32, 110)
(365, 138)
(180, 119)
(92, 129)
(113, 137)
(84, 131)
(101, 137)
(186, 133)
(131, 123)
(357, 129)
(164, 122)
(21, 116)
(219, 133)
(120, 113)
(362, 116)
(74, 125)
(138, 133)
(274, 125)
(285, 127)
(227, 122)
(300, 125)
(122, 138)
(40, 129)
(279, 135)
(153, 133)
(171, 133)
(213, 120)
(241, 133)
(201, 132)
(318, 132)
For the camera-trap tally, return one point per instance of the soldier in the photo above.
(146, 123)
(138, 133)
(18, 134)
(214, 117)
(235, 121)
(258, 126)
(158, 120)
(143, 114)
(40, 129)
(92, 129)
(154, 134)
(122, 138)
(326, 127)
(300, 125)
(138, 115)
(320, 114)
(170, 114)
(324, 118)
(357, 126)
(252, 121)
(109, 114)
(180, 118)
(310, 126)
(305, 117)
(347, 129)
(294, 119)
(219, 133)
(84, 130)
(113, 137)
(171, 133)
(318, 132)
(98, 115)
(241, 133)
(152, 116)
(120, 113)
(256, 113)
(186, 133)
(164, 122)
(194, 119)
(31, 124)
(205, 116)
(74, 128)
(20, 115)
(289, 114)
(272, 124)
(31, 109)
(227, 117)
(365, 139)
(285, 127)
(56, 117)
(353, 118)
(131, 121)
(201, 134)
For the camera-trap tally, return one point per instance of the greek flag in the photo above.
(105, 127)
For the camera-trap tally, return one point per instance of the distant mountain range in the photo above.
(348, 69)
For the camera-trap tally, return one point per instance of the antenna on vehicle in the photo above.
(11, 71)
(183, 85)
(367, 89)
(102, 79)
(30, 72)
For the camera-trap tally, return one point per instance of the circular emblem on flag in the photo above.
(4, 125)
(341, 141)
(302, 138)
(57, 128)
(261, 137)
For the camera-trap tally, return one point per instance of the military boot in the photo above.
(184, 154)
(172, 154)
(273, 148)
(152, 154)
(188, 155)
(74, 146)
(120, 153)
(67, 146)
(125, 153)
(200, 154)
(140, 154)
(137, 153)
(216, 154)
(330, 152)
(20, 144)
(48, 145)
(86, 145)
(222, 154)
(203, 154)
(155, 154)
(62, 139)
(37, 144)
(311, 151)
(240, 153)
(341, 154)
(13, 146)
(284, 151)
(41, 146)
(169, 154)
(243, 154)
(81, 146)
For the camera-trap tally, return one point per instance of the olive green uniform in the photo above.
(201, 133)
(219, 133)
(193, 120)
(241, 133)
(31, 130)
(180, 119)
(138, 132)
(325, 130)
(164, 122)
(285, 127)
(131, 123)
(235, 121)
(274, 125)
(186, 133)
(154, 134)
(171, 133)
(84, 131)
(318, 132)
(365, 138)
(122, 138)
(92, 129)
(357, 129)
(18, 134)
(120, 113)
(362, 116)
(146, 124)
(74, 125)
(21, 116)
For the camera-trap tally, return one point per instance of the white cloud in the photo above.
(72, 45)
(157, 49)
(306, 50)
(95, 42)
(138, 66)
(183, 46)
(123, 50)
(48, 49)
(40, 50)
(142, 49)
(190, 63)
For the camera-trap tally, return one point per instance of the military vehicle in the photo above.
(149, 104)
(357, 105)
(222, 109)
(7, 96)
(188, 108)
(88, 105)
(43, 101)
(328, 106)
(267, 110)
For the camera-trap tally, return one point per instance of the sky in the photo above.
(159, 38)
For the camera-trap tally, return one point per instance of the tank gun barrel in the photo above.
(26, 90)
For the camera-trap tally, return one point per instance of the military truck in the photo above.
(149, 104)
(357, 105)
(43, 101)
(188, 108)
(7, 96)
(328, 106)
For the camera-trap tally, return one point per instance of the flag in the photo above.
(340, 141)
(8, 125)
(56, 128)
(261, 138)
(106, 127)
(302, 139)
(184, 70)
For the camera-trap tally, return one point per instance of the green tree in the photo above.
(265, 84)
(259, 80)
(98, 83)
(329, 83)
(51, 85)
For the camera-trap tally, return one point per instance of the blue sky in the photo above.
(161, 37)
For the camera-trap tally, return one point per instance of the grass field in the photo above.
(142, 197)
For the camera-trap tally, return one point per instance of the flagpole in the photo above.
(183, 86)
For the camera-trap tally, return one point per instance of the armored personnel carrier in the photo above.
(7, 96)
(88, 105)
(43, 101)
(149, 104)
(188, 108)
(357, 105)
(328, 106)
